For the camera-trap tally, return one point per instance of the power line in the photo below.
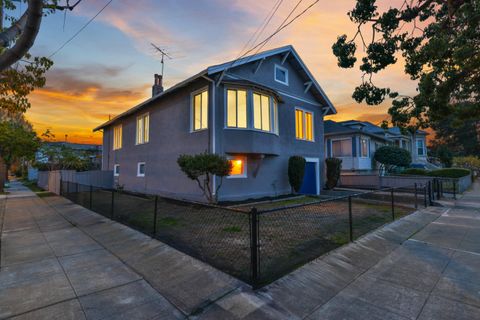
(81, 29)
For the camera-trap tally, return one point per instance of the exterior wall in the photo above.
(268, 153)
(169, 137)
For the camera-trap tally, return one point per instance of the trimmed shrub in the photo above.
(390, 157)
(415, 171)
(296, 171)
(334, 167)
(449, 173)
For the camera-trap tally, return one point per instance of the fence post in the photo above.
(416, 196)
(111, 204)
(393, 205)
(438, 189)
(155, 216)
(430, 201)
(68, 184)
(425, 195)
(350, 218)
(254, 245)
(61, 183)
(90, 199)
(454, 191)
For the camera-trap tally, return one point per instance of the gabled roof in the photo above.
(225, 67)
(331, 127)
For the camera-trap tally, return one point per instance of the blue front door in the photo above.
(309, 185)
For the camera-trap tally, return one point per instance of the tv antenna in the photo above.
(163, 53)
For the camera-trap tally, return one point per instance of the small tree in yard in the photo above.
(296, 171)
(390, 157)
(334, 167)
(202, 167)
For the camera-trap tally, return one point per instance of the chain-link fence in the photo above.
(255, 246)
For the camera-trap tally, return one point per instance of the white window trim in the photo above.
(273, 115)
(192, 120)
(423, 147)
(115, 166)
(368, 148)
(275, 74)
(340, 139)
(245, 168)
(138, 169)
(304, 124)
(136, 129)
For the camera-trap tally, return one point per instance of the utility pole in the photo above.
(163, 53)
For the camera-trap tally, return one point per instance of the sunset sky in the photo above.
(109, 66)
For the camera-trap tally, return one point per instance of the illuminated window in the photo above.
(141, 169)
(143, 127)
(364, 147)
(200, 111)
(117, 137)
(236, 108)
(304, 125)
(239, 167)
(116, 170)
(264, 111)
(281, 75)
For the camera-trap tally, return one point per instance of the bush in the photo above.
(415, 171)
(201, 167)
(296, 171)
(334, 167)
(449, 173)
(445, 156)
(390, 156)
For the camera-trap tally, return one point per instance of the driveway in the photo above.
(62, 261)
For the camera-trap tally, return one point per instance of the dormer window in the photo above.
(281, 74)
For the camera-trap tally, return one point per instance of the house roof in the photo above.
(223, 68)
(339, 128)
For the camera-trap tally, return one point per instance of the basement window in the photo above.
(239, 167)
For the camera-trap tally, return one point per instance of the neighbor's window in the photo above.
(236, 108)
(239, 167)
(141, 169)
(342, 148)
(117, 137)
(263, 112)
(363, 147)
(420, 147)
(200, 111)
(143, 127)
(304, 125)
(281, 74)
(116, 170)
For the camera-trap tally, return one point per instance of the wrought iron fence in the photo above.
(255, 246)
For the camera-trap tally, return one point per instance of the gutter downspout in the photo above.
(213, 127)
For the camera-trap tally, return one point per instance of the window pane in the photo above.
(197, 106)
(265, 113)
(231, 108)
(342, 148)
(299, 124)
(242, 108)
(204, 123)
(257, 113)
(309, 126)
(275, 117)
(146, 128)
(139, 130)
(364, 148)
(280, 75)
(237, 167)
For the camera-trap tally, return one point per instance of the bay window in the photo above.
(236, 108)
(364, 147)
(342, 148)
(263, 112)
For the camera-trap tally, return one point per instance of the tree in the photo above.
(202, 167)
(296, 171)
(334, 167)
(22, 32)
(17, 142)
(440, 42)
(391, 156)
(461, 137)
(445, 156)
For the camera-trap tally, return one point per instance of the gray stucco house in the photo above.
(355, 142)
(258, 111)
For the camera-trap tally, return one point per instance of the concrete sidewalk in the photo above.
(61, 261)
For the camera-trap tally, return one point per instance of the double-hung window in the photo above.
(304, 125)
(117, 137)
(143, 128)
(420, 147)
(263, 112)
(364, 147)
(236, 108)
(200, 110)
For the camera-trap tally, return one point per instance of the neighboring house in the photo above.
(258, 111)
(92, 151)
(355, 143)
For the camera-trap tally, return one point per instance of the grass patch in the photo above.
(168, 222)
(43, 194)
(32, 186)
(232, 229)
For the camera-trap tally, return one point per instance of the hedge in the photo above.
(442, 173)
